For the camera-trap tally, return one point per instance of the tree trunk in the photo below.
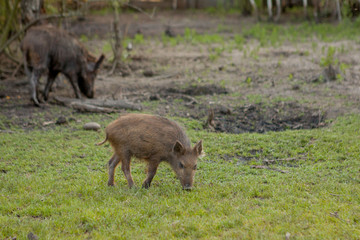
(117, 49)
(278, 10)
(253, 4)
(338, 10)
(174, 4)
(269, 6)
(305, 3)
(31, 10)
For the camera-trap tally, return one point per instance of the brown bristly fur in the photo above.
(49, 49)
(153, 139)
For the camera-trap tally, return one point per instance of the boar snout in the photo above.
(90, 94)
(187, 179)
(187, 187)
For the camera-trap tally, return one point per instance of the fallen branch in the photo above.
(11, 57)
(165, 76)
(82, 107)
(86, 103)
(17, 69)
(140, 10)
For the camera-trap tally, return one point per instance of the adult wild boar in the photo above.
(51, 50)
(154, 139)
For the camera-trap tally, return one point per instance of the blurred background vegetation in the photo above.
(18, 15)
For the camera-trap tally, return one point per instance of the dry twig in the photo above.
(336, 214)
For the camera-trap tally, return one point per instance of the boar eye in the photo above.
(181, 165)
(195, 167)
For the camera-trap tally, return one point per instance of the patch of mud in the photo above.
(238, 158)
(261, 118)
(285, 53)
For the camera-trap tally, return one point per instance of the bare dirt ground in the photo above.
(276, 88)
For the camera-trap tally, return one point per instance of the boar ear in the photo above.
(198, 148)
(178, 148)
(99, 61)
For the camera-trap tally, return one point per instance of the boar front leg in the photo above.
(113, 162)
(51, 79)
(74, 83)
(152, 167)
(125, 167)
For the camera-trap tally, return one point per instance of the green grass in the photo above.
(53, 183)
(269, 34)
(274, 35)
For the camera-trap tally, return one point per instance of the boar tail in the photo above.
(101, 143)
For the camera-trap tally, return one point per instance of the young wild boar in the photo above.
(154, 139)
(51, 50)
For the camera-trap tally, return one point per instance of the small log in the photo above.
(82, 107)
(110, 104)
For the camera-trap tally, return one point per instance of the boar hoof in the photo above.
(111, 184)
(146, 185)
(36, 102)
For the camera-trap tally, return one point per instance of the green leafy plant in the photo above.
(329, 59)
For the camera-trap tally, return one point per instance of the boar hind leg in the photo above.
(113, 158)
(114, 161)
(151, 171)
(51, 79)
(33, 87)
